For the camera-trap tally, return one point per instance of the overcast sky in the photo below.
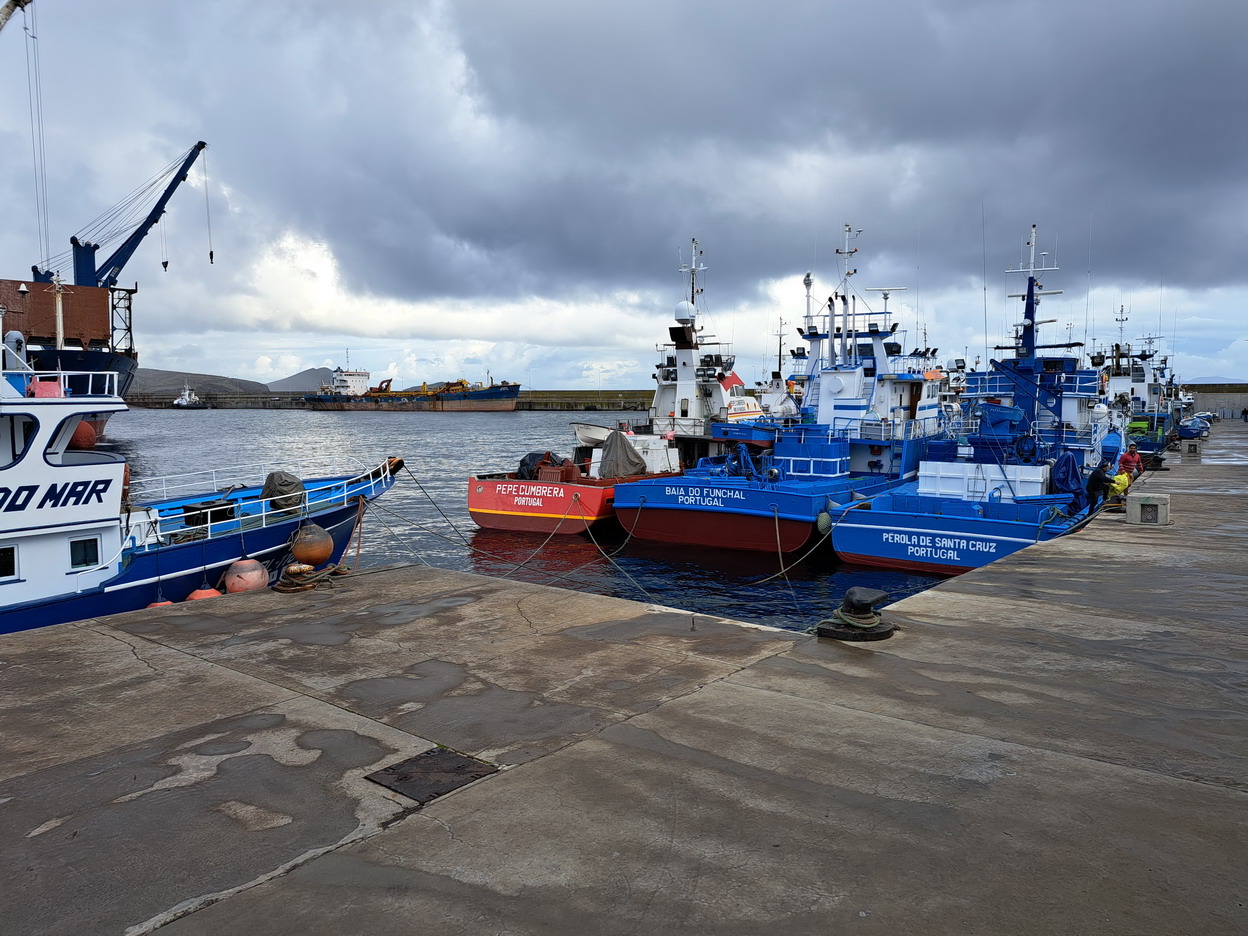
(450, 188)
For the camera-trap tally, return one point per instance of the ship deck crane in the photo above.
(86, 273)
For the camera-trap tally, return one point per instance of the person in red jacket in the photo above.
(1130, 462)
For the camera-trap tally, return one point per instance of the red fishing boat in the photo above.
(549, 494)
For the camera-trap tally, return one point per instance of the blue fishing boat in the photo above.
(1010, 475)
(79, 539)
(867, 412)
(1142, 386)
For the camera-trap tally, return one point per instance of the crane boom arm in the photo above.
(11, 7)
(85, 271)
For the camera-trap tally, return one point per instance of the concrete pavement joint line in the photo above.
(1023, 745)
(193, 904)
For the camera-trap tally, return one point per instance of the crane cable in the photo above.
(203, 161)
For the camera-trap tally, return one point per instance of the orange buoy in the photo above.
(312, 545)
(203, 593)
(84, 437)
(246, 575)
(159, 604)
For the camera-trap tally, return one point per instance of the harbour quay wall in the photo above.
(1223, 400)
(1051, 744)
(634, 400)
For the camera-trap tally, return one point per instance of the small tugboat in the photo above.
(188, 399)
(695, 388)
(1010, 476)
(78, 539)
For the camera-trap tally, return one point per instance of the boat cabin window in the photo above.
(61, 439)
(15, 438)
(84, 553)
(8, 563)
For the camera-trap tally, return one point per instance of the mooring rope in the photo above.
(298, 577)
(850, 619)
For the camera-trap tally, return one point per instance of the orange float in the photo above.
(312, 545)
(84, 437)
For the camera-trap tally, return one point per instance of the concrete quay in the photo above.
(1054, 744)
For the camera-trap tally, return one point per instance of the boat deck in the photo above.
(1054, 743)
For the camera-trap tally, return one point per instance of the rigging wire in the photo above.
(38, 152)
(117, 222)
(983, 239)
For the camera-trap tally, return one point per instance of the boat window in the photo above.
(60, 440)
(84, 553)
(15, 438)
(8, 562)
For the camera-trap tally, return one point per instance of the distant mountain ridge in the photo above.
(151, 381)
(307, 381)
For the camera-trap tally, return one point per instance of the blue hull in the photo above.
(766, 503)
(943, 536)
(735, 513)
(173, 569)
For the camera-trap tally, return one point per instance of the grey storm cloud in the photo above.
(490, 150)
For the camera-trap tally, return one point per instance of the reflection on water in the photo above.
(424, 517)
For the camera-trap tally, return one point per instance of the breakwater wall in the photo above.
(637, 400)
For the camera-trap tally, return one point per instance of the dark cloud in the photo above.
(492, 151)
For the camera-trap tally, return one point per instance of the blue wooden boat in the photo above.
(78, 539)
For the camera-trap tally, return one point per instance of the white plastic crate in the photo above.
(977, 481)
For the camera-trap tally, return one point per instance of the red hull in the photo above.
(506, 503)
(715, 529)
(898, 565)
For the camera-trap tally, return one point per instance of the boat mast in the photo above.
(58, 290)
(847, 252)
(1026, 349)
(780, 344)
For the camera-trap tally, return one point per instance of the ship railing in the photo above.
(1081, 383)
(883, 429)
(24, 383)
(254, 475)
(1083, 438)
(189, 520)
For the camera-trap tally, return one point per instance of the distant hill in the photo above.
(1216, 380)
(308, 381)
(170, 383)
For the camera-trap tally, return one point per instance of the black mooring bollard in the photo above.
(856, 618)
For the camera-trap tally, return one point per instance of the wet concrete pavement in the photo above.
(1053, 744)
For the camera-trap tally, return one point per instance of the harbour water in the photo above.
(424, 517)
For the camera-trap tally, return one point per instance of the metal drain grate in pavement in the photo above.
(435, 773)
